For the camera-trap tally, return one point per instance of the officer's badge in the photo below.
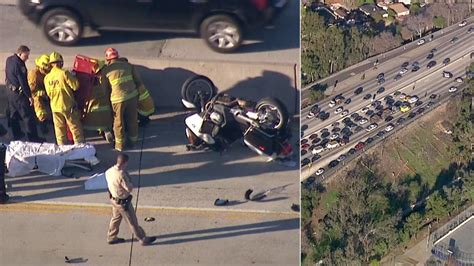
(23, 69)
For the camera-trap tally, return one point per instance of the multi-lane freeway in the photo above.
(423, 83)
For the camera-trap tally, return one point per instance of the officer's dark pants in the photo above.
(3, 193)
(21, 115)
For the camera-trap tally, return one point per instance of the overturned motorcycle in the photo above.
(222, 119)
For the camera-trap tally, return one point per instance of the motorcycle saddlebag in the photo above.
(259, 141)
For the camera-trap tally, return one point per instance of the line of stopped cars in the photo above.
(377, 116)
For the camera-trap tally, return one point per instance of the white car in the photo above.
(453, 89)
(413, 99)
(333, 144)
(338, 110)
(371, 127)
(320, 171)
(420, 42)
(402, 95)
(318, 149)
(403, 71)
(344, 113)
(462, 23)
(389, 128)
(363, 121)
(334, 136)
(332, 103)
(365, 109)
(459, 80)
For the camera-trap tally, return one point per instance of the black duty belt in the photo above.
(120, 201)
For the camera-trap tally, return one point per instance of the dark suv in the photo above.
(219, 22)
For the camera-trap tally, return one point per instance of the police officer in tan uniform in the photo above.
(120, 187)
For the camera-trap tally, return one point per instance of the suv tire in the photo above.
(61, 27)
(221, 33)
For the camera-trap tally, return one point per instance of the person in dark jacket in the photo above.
(20, 102)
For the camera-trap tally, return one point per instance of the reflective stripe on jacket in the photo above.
(122, 79)
(146, 106)
(60, 85)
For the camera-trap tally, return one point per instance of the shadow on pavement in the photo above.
(230, 231)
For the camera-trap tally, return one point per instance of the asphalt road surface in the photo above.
(263, 45)
(422, 83)
(386, 58)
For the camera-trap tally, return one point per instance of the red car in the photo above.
(359, 146)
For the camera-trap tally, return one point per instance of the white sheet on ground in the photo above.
(96, 182)
(22, 157)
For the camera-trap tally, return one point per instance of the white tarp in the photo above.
(22, 157)
(96, 182)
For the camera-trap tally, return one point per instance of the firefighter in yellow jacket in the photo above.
(60, 85)
(146, 106)
(38, 91)
(97, 114)
(122, 80)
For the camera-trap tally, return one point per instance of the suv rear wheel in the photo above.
(61, 27)
(221, 33)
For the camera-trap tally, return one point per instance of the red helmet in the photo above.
(111, 53)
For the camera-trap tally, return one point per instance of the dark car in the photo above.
(313, 136)
(315, 158)
(304, 152)
(305, 162)
(405, 64)
(411, 115)
(316, 140)
(323, 115)
(415, 68)
(370, 112)
(434, 50)
(220, 23)
(324, 142)
(333, 164)
(388, 118)
(446, 60)
(380, 90)
(304, 141)
(358, 90)
(381, 133)
(431, 64)
(418, 103)
(348, 101)
(397, 77)
(335, 124)
(369, 140)
(390, 102)
(430, 56)
(400, 120)
(453, 40)
(421, 110)
(325, 135)
(376, 103)
(380, 75)
(397, 103)
(433, 96)
(336, 129)
(381, 80)
(351, 151)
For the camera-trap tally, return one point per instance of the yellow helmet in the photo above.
(42, 61)
(55, 57)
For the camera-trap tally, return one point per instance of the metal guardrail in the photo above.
(330, 172)
(442, 250)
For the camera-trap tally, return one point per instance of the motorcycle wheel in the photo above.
(196, 88)
(272, 114)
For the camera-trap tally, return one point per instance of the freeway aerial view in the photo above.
(370, 104)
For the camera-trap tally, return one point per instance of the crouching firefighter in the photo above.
(38, 91)
(97, 113)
